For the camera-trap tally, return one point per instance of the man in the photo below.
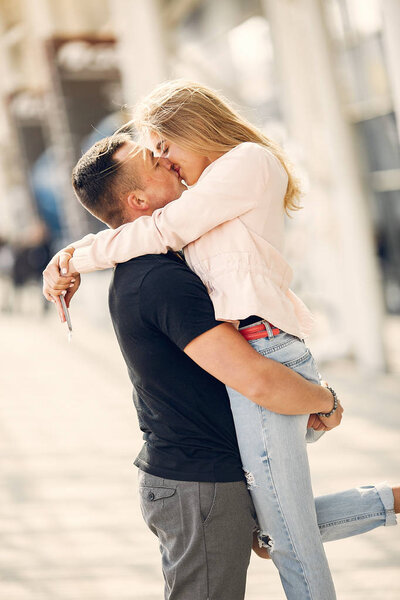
(193, 495)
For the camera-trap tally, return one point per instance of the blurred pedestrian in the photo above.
(30, 254)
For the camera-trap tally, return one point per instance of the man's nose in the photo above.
(165, 162)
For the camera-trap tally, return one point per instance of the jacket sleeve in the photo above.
(233, 186)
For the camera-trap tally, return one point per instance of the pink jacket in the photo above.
(231, 227)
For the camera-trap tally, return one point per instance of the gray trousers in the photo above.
(205, 532)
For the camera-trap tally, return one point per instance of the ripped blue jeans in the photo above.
(292, 524)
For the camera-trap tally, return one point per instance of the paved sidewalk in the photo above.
(70, 523)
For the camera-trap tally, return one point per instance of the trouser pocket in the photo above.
(156, 503)
(207, 500)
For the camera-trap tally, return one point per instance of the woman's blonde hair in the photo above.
(199, 119)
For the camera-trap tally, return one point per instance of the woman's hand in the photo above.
(56, 277)
(55, 283)
(64, 256)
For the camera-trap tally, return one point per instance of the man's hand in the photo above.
(314, 422)
(55, 284)
(334, 420)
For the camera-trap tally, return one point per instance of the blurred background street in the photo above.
(321, 78)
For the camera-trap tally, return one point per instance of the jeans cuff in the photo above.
(386, 496)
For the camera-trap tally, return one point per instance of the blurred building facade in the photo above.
(318, 76)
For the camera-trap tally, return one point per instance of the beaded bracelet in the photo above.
(335, 403)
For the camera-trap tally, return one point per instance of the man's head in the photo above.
(117, 181)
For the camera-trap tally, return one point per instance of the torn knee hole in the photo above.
(265, 541)
(250, 479)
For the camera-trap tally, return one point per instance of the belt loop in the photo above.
(269, 329)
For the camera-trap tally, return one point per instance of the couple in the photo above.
(177, 329)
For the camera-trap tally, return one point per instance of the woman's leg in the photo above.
(352, 512)
(355, 511)
(274, 457)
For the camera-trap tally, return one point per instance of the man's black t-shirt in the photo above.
(158, 305)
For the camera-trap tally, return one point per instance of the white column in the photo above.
(7, 225)
(313, 107)
(391, 38)
(140, 36)
(17, 210)
(41, 26)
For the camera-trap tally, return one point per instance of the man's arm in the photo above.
(223, 352)
(174, 300)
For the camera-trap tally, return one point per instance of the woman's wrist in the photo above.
(64, 257)
(68, 250)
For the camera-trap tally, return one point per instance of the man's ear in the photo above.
(137, 200)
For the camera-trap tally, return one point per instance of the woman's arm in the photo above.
(85, 241)
(234, 186)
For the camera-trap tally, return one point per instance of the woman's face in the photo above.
(188, 164)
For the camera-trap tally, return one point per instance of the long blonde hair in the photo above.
(198, 119)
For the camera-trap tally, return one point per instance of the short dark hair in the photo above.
(100, 181)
